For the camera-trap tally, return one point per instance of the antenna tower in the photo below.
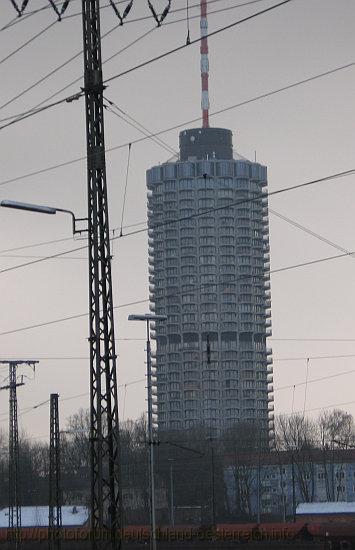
(205, 102)
(55, 501)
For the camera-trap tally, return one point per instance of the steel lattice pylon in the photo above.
(14, 495)
(104, 437)
(55, 501)
(14, 489)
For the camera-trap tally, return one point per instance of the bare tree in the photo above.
(335, 431)
(244, 444)
(298, 435)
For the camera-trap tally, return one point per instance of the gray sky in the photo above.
(301, 134)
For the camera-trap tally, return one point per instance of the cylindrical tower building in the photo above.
(209, 272)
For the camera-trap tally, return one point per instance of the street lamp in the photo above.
(147, 317)
(44, 210)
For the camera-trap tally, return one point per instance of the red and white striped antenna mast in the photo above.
(205, 102)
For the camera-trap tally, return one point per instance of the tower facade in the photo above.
(209, 272)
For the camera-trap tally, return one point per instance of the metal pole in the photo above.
(14, 485)
(259, 479)
(213, 487)
(14, 495)
(172, 518)
(258, 492)
(293, 489)
(153, 542)
(55, 504)
(104, 436)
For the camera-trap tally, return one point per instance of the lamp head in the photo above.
(29, 207)
(147, 317)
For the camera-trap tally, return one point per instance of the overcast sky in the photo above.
(301, 134)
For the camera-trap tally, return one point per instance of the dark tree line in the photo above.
(189, 466)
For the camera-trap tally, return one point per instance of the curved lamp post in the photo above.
(44, 210)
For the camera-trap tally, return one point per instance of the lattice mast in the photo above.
(205, 102)
(55, 500)
(14, 468)
(14, 489)
(105, 497)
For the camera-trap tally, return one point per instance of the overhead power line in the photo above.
(147, 62)
(42, 243)
(310, 232)
(77, 54)
(314, 380)
(233, 204)
(17, 19)
(125, 117)
(332, 406)
(41, 257)
(206, 212)
(26, 410)
(144, 18)
(27, 43)
(314, 357)
(161, 132)
(144, 301)
(31, 113)
(312, 339)
(196, 40)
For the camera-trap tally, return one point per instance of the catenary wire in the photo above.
(119, 112)
(76, 396)
(76, 55)
(141, 129)
(240, 202)
(27, 43)
(278, 214)
(314, 357)
(314, 380)
(140, 380)
(31, 113)
(144, 301)
(310, 232)
(54, 241)
(327, 241)
(313, 339)
(197, 5)
(23, 17)
(196, 40)
(125, 187)
(204, 213)
(27, 14)
(41, 257)
(171, 128)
